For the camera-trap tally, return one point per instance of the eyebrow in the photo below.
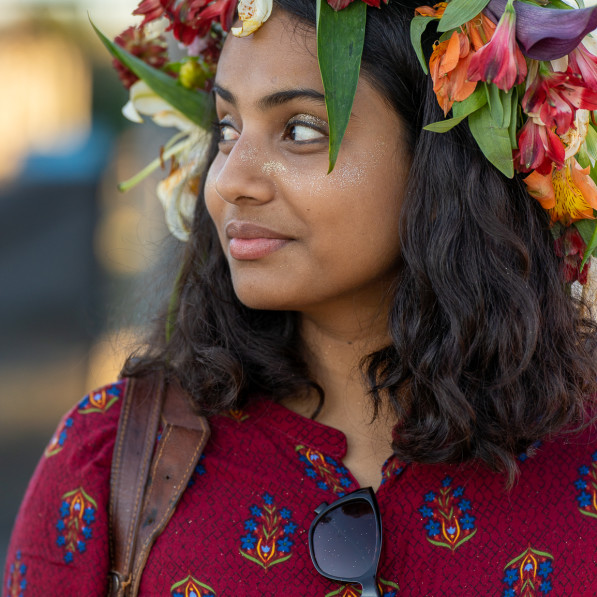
(274, 99)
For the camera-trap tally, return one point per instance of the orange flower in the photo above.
(568, 194)
(449, 66)
(436, 12)
(480, 30)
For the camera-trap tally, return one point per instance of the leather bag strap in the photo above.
(149, 478)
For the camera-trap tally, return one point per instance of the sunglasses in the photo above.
(345, 540)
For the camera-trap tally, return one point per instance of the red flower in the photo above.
(555, 97)
(538, 148)
(340, 4)
(583, 63)
(500, 61)
(223, 10)
(151, 10)
(154, 51)
(193, 18)
(571, 247)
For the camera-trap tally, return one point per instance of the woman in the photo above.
(399, 323)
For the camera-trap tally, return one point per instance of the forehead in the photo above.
(282, 53)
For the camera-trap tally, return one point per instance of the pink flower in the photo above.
(555, 97)
(584, 64)
(538, 148)
(571, 247)
(547, 33)
(500, 61)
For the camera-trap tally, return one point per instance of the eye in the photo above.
(306, 129)
(227, 132)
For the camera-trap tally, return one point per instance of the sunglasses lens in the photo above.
(344, 540)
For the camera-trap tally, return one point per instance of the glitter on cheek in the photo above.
(349, 175)
(270, 168)
(248, 154)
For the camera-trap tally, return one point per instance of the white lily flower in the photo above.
(178, 191)
(178, 195)
(144, 101)
(252, 13)
(577, 134)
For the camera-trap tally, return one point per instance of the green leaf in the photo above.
(513, 118)
(447, 35)
(417, 28)
(340, 39)
(460, 11)
(582, 157)
(563, 5)
(496, 104)
(591, 141)
(500, 104)
(460, 110)
(471, 104)
(556, 230)
(588, 231)
(196, 105)
(443, 126)
(493, 140)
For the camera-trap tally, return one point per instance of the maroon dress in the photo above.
(241, 527)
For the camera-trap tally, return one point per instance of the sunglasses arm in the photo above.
(370, 588)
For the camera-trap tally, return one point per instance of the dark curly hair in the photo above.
(489, 351)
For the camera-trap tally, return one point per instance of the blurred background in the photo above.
(82, 266)
(79, 261)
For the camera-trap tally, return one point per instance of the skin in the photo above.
(340, 251)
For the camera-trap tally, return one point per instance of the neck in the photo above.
(335, 346)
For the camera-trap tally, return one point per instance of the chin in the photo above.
(262, 297)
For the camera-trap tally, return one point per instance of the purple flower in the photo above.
(547, 33)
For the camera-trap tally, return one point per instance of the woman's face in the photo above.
(295, 237)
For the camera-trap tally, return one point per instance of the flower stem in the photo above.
(152, 166)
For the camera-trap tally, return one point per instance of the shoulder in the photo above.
(60, 538)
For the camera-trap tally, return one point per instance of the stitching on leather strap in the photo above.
(148, 449)
(116, 466)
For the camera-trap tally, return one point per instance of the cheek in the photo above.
(213, 202)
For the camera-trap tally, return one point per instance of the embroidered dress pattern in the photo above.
(77, 514)
(59, 438)
(328, 474)
(191, 587)
(237, 415)
(16, 582)
(448, 519)
(101, 400)
(586, 485)
(531, 451)
(391, 468)
(528, 575)
(198, 472)
(268, 540)
(386, 588)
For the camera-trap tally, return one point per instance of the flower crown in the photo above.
(522, 73)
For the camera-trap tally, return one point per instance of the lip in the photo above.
(250, 241)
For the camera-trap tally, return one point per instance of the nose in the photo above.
(242, 177)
